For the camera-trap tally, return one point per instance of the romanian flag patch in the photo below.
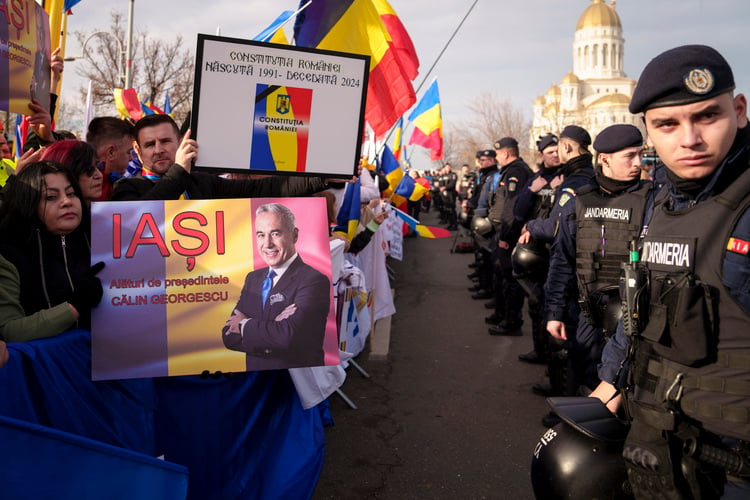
(737, 245)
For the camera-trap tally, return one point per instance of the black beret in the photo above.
(546, 141)
(618, 137)
(488, 152)
(682, 75)
(506, 142)
(578, 134)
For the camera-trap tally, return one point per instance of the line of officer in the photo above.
(688, 352)
(509, 296)
(576, 171)
(594, 238)
(466, 183)
(447, 186)
(531, 259)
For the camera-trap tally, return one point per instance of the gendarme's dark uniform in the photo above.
(449, 181)
(509, 296)
(532, 205)
(585, 269)
(688, 390)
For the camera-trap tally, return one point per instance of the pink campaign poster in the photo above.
(216, 285)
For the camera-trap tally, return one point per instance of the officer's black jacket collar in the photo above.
(573, 165)
(489, 170)
(612, 186)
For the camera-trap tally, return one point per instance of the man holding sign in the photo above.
(280, 318)
(167, 171)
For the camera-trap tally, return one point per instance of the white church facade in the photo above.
(596, 93)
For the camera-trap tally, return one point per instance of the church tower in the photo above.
(596, 93)
(598, 46)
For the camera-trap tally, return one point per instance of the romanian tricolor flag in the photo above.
(409, 189)
(428, 124)
(355, 26)
(22, 131)
(279, 37)
(398, 132)
(281, 147)
(128, 104)
(152, 108)
(347, 220)
(69, 4)
(421, 229)
(391, 169)
(167, 105)
(267, 34)
(400, 39)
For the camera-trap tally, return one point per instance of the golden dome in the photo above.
(570, 78)
(554, 90)
(599, 13)
(610, 100)
(539, 101)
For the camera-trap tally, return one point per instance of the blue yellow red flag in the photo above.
(398, 131)
(347, 219)
(167, 105)
(391, 169)
(428, 123)
(409, 189)
(421, 229)
(400, 40)
(267, 34)
(356, 26)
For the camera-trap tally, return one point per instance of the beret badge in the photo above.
(699, 81)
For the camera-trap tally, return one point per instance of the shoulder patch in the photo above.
(565, 195)
(512, 184)
(737, 245)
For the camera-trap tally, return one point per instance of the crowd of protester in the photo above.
(554, 235)
(47, 284)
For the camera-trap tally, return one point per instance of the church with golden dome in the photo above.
(596, 93)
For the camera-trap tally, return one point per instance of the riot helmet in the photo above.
(581, 460)
(481, 225)
(530, 260)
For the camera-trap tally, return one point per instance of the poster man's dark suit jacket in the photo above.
(292, 342)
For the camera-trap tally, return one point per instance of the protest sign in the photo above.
(184, 287)
(269, 108)
(24, 56)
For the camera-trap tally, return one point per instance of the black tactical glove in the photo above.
(87, 289)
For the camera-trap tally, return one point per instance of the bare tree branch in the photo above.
(158, 67)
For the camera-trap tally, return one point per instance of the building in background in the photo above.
(596, 93)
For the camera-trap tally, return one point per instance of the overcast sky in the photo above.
(514, 48)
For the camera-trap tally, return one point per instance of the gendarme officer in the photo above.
(594, 238)
(509, 296)
(688, 383)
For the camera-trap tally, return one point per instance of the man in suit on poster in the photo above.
(280, 319)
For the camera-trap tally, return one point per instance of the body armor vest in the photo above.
(605, 227)
(543, 202)
(497, 197)
(693, 355)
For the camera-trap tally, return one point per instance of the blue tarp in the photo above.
(47, 463)
(240, 436)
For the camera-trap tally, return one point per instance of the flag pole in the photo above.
(437, 59)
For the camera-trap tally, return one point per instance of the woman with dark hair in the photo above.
(80, 158)
(46, 282)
